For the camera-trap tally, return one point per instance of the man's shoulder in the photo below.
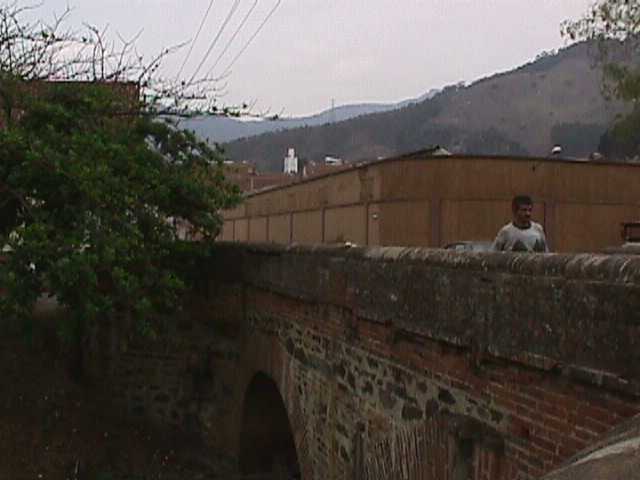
(507, 227)
(537, 226)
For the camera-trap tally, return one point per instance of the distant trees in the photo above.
(622, 140)
(615, 26)
(577, 139)
(546, 53)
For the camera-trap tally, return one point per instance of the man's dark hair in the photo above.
(520, 200)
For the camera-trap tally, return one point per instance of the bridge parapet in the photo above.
(398, 362)
(577, 315)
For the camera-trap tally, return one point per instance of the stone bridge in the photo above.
(393, 363)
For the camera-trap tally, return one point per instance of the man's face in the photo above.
(522, 215)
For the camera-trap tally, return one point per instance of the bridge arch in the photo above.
(267, 444)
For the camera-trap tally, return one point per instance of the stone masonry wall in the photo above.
(403, 363)
(425, 364)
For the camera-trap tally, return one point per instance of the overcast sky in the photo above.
(312, 51)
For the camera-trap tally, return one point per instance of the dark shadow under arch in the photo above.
(267, 446)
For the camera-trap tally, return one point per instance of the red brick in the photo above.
(596, 413)
(520, 427)
(546, 445)
(557, 425)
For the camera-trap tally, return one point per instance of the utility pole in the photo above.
(332, 116)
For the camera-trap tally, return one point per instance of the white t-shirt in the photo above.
(515, 239)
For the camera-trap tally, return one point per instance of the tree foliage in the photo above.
(622, 140)
(614, 25)
(94, 185)
(577, 139)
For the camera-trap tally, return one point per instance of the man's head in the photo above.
(521, 206)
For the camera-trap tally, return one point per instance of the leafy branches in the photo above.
(615, 27)
(37, 50)
(95, 186)
(91, 201)
(607, 19)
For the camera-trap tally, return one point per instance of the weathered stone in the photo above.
(290, 346)
(372, 362)
(300, 355)
(411, 412)
(351, 379)
(431, 407)
(496, 416)
(345, 455)
(367, 388)
(556, 337)
(446, 397)
(387, 400)
(339, 370)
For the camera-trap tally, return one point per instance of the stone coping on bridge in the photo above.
(576, 315)
(615, 268)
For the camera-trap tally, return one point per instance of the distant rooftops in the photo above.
(431, 153)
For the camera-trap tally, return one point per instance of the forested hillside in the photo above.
(555, 99)
(216, 128)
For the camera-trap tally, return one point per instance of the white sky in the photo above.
(313, 51)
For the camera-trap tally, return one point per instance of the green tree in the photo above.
(614, 26)
(92, 185)
(577, 139)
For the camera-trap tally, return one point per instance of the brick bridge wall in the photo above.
(403, 363)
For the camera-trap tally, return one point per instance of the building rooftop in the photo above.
(438, 153)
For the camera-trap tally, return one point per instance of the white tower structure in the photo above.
(291, 162)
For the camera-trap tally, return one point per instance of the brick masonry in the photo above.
(401, 363)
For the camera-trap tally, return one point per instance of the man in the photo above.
(522, 234)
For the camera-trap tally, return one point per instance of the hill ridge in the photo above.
(556, 98)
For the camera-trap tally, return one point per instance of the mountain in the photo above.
(225, 129)
(556, 99)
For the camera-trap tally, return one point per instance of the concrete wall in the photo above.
(404, 363)
(426, 201)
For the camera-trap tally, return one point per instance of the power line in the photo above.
(234, 7)
(193, 42)
(233, 37)
(255, 34)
